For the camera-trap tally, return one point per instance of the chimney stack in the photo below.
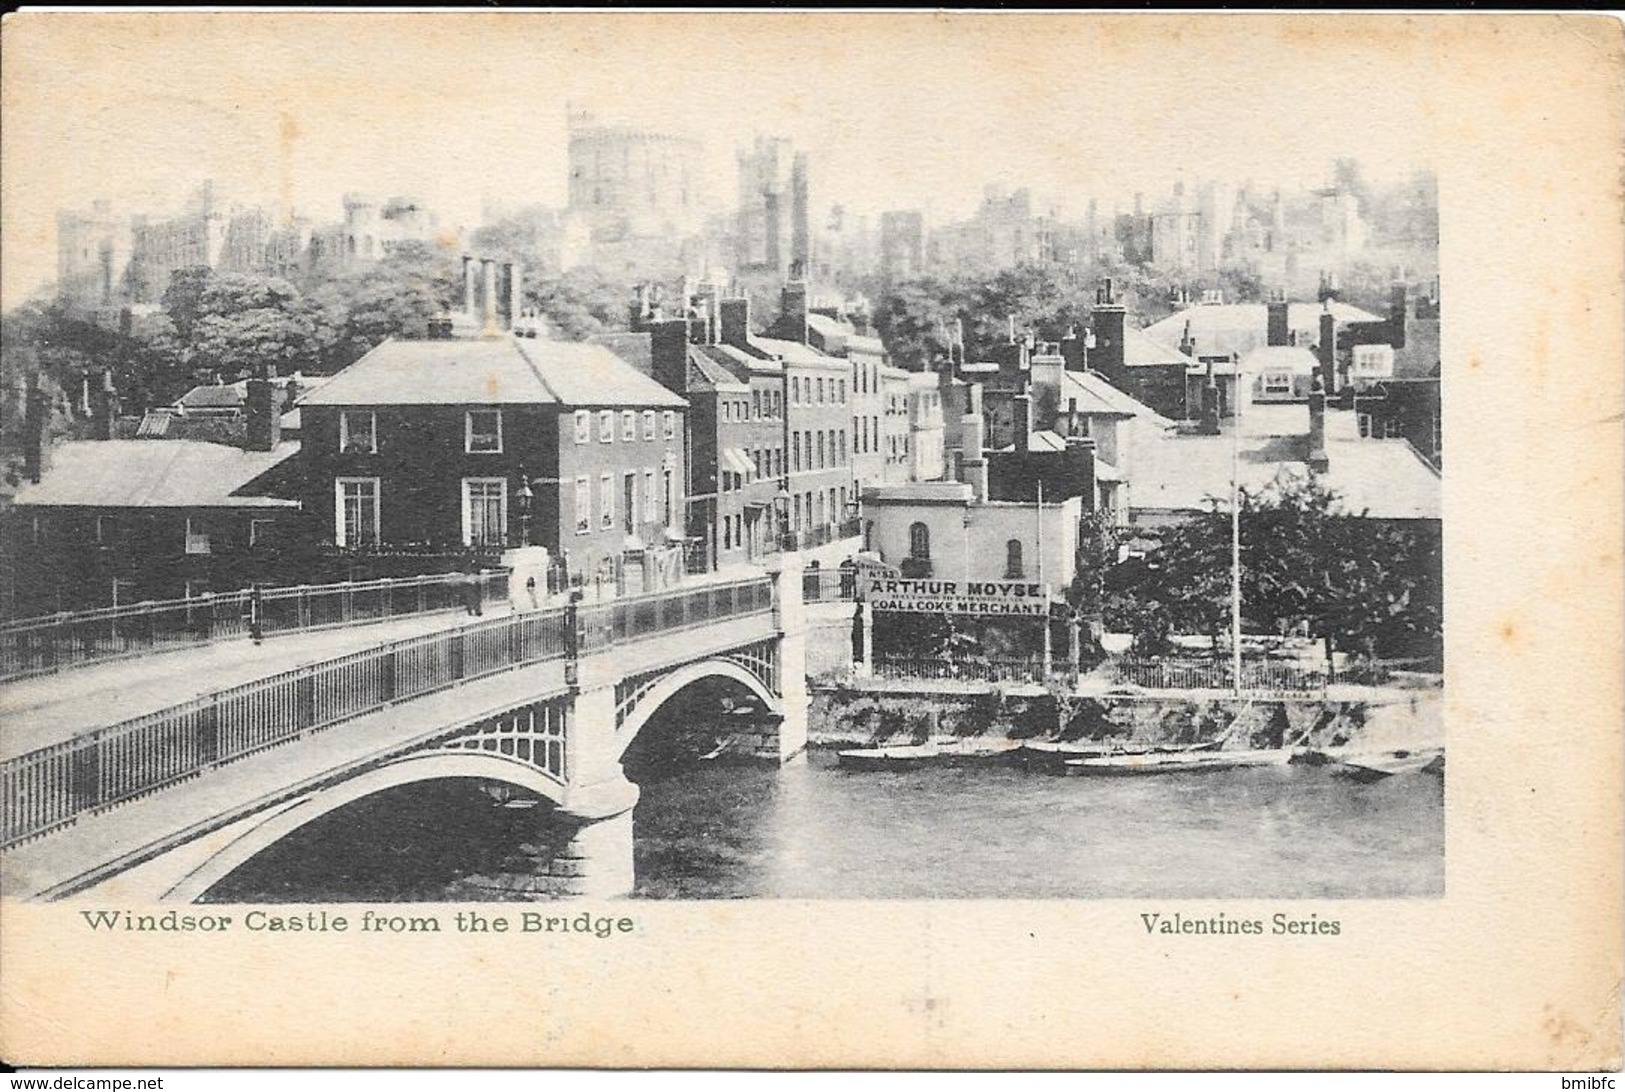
(513, 293)
(1327, 350)
(734, 321)
(793, 311)
(1074, 355)
(290, 395)
(1279, 331)
(36, 431)
(1109, 318)
(1080, 454)
(1187, 344)
(1398, 314)
(1318, 460)
(668, 353)
(1021, 414)
(973, 432)
(488, 298)
(264, 419)
(103, 404)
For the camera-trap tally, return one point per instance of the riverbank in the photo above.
(894, 713)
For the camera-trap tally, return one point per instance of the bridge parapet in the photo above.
(52, 787)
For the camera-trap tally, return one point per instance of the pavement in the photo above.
(105, 842)
(41, 710)
(45, 709)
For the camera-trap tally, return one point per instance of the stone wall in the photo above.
(872, 716)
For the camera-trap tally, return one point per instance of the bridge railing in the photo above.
(54, 785)
(35, 646)
(638, 616)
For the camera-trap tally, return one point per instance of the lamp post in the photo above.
(1235, 539)
(527, 501)
(781, 513)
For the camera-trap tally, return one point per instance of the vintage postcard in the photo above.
(811, 539)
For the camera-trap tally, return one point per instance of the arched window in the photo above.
(919, 541)
(1012, 558)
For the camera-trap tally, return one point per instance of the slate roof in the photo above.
(797, 353)
(491, 371)
(706, 373)
(843, 335)
(1237, 327)
(1142, 351)
(1279, 358)
(1098, 397)
(143, 474)
(1387, 479)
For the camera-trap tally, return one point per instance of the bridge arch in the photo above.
(269, 827)
(648, 700)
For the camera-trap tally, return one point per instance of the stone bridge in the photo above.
(165, 806)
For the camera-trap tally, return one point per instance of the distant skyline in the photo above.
(915, 111)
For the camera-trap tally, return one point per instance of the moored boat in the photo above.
(1377, 765)
(916, 755)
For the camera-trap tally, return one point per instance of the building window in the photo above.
(105, 529)
(583, 426)
(649, 498)
(197, 539)
(583, 505)
(648, 424)
(483, 432)
(629, 500)
(606, 501)
(358, 432)
(756, 404)
(919, 542)
(820, 391)
(778, 404)
(1277, 383)
(820, 464)
(485, 511)
(795, 451)
(1012, 559)
(606, 426)
(671, 425)
(356, 518)
(1365, 426)
(841, 435)
(629, 425)
(668, 487)
(840, 391)
(260, 531)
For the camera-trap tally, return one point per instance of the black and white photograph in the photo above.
(608, 461)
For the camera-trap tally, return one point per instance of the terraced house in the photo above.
(499, 442)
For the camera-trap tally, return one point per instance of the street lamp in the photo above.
(527, 500)
(781, 507)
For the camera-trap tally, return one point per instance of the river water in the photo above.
(813, 830)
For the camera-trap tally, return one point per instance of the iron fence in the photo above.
(35, 646)
(54, 785)
(996, 670)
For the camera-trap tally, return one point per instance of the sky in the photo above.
(897, 110)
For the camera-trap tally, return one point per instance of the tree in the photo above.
(248, 322)
(578, 304)
(1358, 583)
(183, 298)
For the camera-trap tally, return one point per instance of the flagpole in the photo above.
(1235, 537)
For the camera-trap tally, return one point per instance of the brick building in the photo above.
(499, 442)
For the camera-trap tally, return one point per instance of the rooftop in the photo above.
(1097, 397)
(491, 371)
(1142, 351)
(918, 492)
(1238, 327)
(794, 352)
(141, 474)
(1278, 358)
(841, 335)
(706, 374)
(1386, 479)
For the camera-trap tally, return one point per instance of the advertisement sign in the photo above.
(975, 597)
